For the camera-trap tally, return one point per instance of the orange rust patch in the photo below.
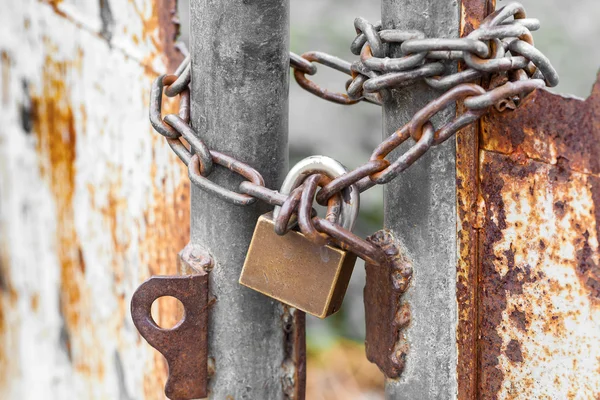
(35, 302)
(54, 127)
(160, 28)
(5, 74)
(55, 6)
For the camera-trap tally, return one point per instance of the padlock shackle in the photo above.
(333, 169)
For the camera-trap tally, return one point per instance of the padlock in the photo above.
(293, 269)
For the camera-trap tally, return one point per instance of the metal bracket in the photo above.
(386, 314)
(185, 346)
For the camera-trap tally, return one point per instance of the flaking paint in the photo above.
(539, 320)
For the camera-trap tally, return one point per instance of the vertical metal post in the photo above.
(420, 207)
(240, 71)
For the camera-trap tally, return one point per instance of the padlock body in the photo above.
(296, 271)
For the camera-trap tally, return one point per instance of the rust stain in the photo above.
(55, 129)
(519, 319)
(5, 74)
(513, 351)
(35, 302)
(55, 4)
(159, 27)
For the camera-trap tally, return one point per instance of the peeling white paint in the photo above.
(126, 186)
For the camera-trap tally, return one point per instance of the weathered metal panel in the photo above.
(92, 202)
(539, 315)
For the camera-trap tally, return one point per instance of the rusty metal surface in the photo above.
(90, 203)
(300, 273)
(386, 314)
(467, 161)
(540, 278)
(294, 326)
(185, 346)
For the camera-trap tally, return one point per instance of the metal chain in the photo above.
(499, 50)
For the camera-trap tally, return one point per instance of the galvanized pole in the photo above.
(420, 207)
(240, 71)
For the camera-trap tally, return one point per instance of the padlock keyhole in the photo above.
(167, 312)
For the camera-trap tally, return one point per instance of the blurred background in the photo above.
(92, 200)
(568, 36)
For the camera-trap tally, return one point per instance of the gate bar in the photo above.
(420, 206)
(240, 72)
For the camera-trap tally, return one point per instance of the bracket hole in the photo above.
(167, 312)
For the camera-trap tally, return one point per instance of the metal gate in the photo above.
(502, 224)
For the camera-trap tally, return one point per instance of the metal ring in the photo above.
(330, 61)
(415, 126)
(331, 168)
(440, 44)
(404, 78)
(538, 58)
(533, 24)
(350, 242)
(501, 32)
(198, 146)
(284, 222)
(448, 55)
(409, 157)
(389, 64)
(195, 174)
(298, 62)
(449, 81)
(398, 36)
(156, 108)
(354, 87)
(515, 10)
(269, 196)
(509, 89)
(360, 40)
(346, 180)
(449, 129)
(184, 77)
(305, 209)
(497, 62)
(363, 26)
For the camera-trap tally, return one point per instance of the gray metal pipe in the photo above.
(240, 72)
(420, 207)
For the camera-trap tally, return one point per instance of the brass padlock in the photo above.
(293, 269)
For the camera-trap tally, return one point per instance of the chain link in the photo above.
(500, 50)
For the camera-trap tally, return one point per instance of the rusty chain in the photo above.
(501, 50)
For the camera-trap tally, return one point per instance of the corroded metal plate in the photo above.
(386, 314)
